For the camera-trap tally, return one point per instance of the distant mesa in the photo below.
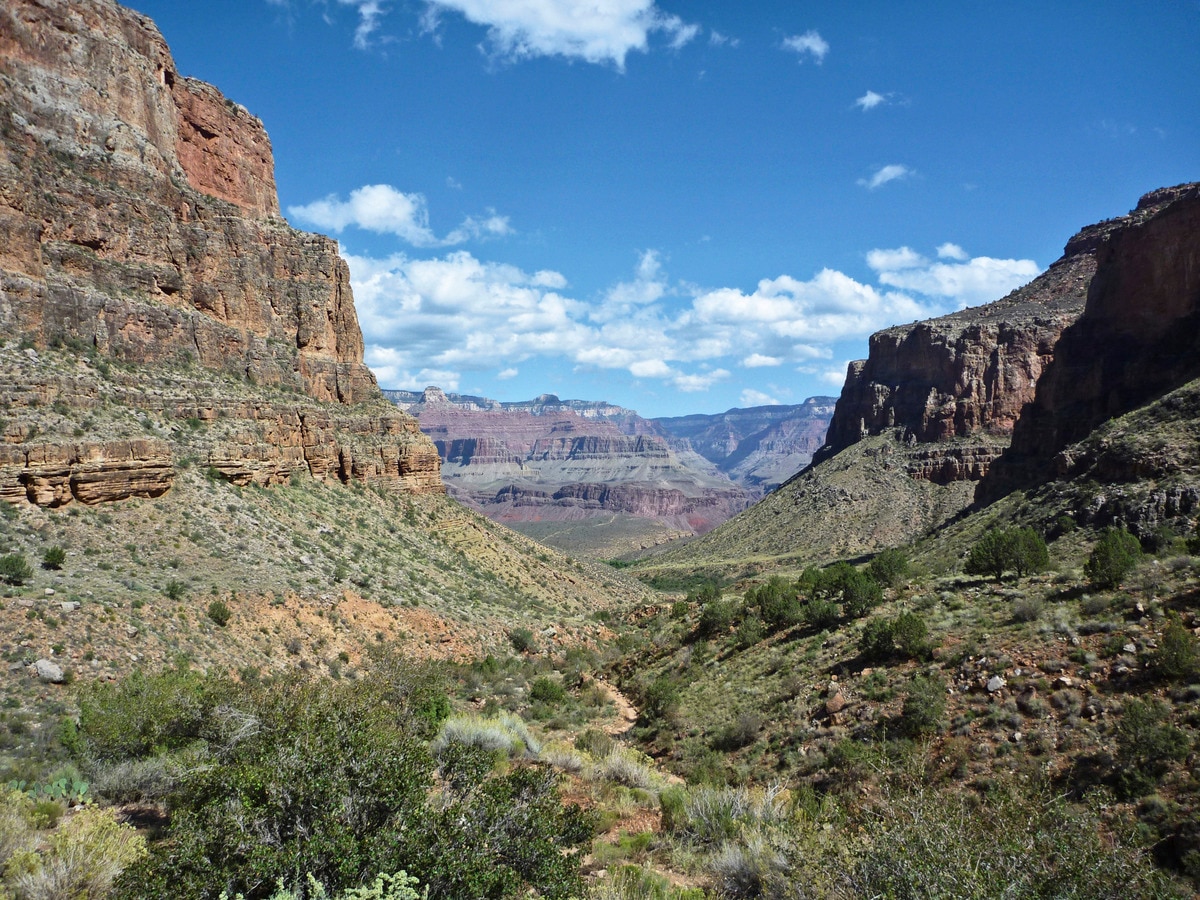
(551, 467)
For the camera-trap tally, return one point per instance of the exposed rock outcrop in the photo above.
(142, 227)
(1138, 338)
(966, 374)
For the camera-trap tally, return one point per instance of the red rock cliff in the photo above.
(139, 223)
(141, 212)
(1138, 338)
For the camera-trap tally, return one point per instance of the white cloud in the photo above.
(951, 251)
(751, 397)
(889, 260)
(596, 31)
(717, 39)
(965, 280)
(758, 361)
(834, 375)
(369, 14)
(431, 320)
(810, 43)
(505, 374)
(885, 174)
(870, 100)
(383, 209)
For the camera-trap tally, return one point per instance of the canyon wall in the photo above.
(1138, 338)
(143, 230)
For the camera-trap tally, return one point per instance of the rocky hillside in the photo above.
(558, 469)
(143, 235)
(940, 401)
(759, 447)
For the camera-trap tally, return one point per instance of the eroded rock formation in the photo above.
(1138, 338)
(142, 227)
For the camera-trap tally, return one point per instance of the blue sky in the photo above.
(687, 206)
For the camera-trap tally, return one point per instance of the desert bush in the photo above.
(505, 734)
(1027, 609)
(14, 569)
(924, 705)
(1115, 555)
(747, 867)
(778, 603)
(712, 815)
(820, 613)
(522, 640)
(1178, 653)
(16, 834)
(918, 842)
(1020, 550)
(82, 858)
(715, 617)
(659, 700)
(889, 567)
(630, 882)
(739, 733)
(594, 742)
(1147, 744)
(219, 612)
(906, 636)
(547, 690)
(860, 594)
(628, 767)
(54, 557)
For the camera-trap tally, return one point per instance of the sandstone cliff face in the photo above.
(143, 216)
(142, 229)
(964, 375)
(1138, 338)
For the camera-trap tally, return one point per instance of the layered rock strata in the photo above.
(142, 226)
(551, 460)
(1138, 338)
(964, 376)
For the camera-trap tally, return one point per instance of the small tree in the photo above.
(14, 569)
(219, 612)
(1028, 551)
(54, 557)
(1178, 654)
(1113, 557)
(989, 556)
(923, 706)
(889, 567)
(522, 640)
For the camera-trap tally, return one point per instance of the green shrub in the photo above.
(522, 640)
(82, 858)
(889, 567)
(54, 557)
(505, 734)
(715, 617)
(923, 706)
(547, 690)
(820, 613)
(1115, 555)
(860, 594)
(1020, 550)
(219, 612)
(1178, 654)
(660, 700)
(1146, 746)
(175, 590)
(906, 636)
(14, 569)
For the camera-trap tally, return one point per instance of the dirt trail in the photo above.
(627, 713)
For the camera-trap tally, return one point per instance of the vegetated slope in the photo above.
(947, 394)
(759, 447)
(588, 477)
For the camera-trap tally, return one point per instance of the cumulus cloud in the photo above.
(430, 320)
(717, 39)
(505, 374)
(885, 174)
(383, 209)
(808, 44)
(458, 313)
(966, 280)
(870, 100)
(751, 397)
(758, 361)
(595, 31)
